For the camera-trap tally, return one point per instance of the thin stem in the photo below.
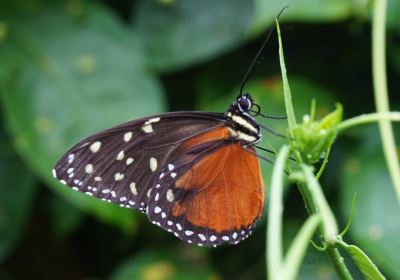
(324, 163)
(313, 202)
(338, 262)
(330, 228)
(274, 257)
(381, 91)
(367, 119)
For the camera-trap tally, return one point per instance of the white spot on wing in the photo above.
(170, 166)
(120, 155)
(118, 176)
(157, 210)
(54, 173)
(89, 168)
(71, 158)
(153, 120)
(202, 237)
(213, 238)
(147, 128)
(170, 195)
(153, 164)
(95, 147)
(132, 186)
(188, 232)
(129, 161)
(128, 136)
(98, 179)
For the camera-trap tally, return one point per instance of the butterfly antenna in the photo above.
(252, 64)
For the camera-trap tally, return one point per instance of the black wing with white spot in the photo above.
(122, 164)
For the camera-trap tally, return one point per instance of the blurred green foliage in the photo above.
(69, 68)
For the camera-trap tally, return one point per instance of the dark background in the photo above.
(71, 68)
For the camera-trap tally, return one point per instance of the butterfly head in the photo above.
(241, 121)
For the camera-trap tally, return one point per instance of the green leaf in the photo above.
(298, 248)
(179, 33)
(83, 74)
(286, 88)
(376, 223)
(17, 190)
(65, 218)
(363, 262)
(162, 265)
(304, 11)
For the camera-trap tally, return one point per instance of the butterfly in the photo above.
(195, 174)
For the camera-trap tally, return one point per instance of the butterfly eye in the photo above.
(244, 103)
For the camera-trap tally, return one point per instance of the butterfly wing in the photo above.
(211, 193)
(121, 164)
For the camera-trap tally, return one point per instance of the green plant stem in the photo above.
(330, 228)
(274, 250)
(324, 163)
(338, 263)
(381, 92)
(366, 119)
(313, 204)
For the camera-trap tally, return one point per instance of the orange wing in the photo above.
(218, 198)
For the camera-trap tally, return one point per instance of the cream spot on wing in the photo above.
(98, 179)
(120, 155)
(202, 237)
(89, 168)
(128, 136)
(153, 164)
(71, 158)
(95, 147)
(129, 161)
(147, 128)
(153, 120)
(118, 176)
(132, 186)
(188, 232)
(170, 195)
